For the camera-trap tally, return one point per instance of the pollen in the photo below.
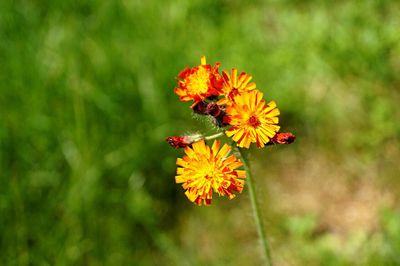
(198, 82)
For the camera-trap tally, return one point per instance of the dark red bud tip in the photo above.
(177, 141)
(283, 138)
(213, 109)
(200, 108)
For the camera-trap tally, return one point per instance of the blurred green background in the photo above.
(86, 101)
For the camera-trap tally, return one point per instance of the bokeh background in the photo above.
(86, 101)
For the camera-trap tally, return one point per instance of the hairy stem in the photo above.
(256, 209)
(217, 135)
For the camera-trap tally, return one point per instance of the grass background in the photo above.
(86, 101)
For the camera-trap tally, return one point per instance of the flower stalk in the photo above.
(217, 135)
(256, 208)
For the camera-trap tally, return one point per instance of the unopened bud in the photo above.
(183, 141)
(200, 108)
(283, 138)
(213, 109)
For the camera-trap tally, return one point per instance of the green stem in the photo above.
(256, 209)
(217, 135)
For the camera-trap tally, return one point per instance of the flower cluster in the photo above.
(235, 105)
(232, 100)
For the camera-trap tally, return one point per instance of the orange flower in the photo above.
(251, 119)
(204, 169)
(233, 85)
(199, 83)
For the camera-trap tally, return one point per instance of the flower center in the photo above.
(198, 82)
(208, 177)
(253, 121)
(207, 171)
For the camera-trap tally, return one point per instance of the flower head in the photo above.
(199, 83)
(233, 85)
(251, 119)
(204, 170)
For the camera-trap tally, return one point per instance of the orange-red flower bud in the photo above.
(283, 138)
(177, 141)
(183, 141)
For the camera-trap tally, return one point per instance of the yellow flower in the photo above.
(204, 169)
(251, 119)
(199, 83)
(234, 85)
